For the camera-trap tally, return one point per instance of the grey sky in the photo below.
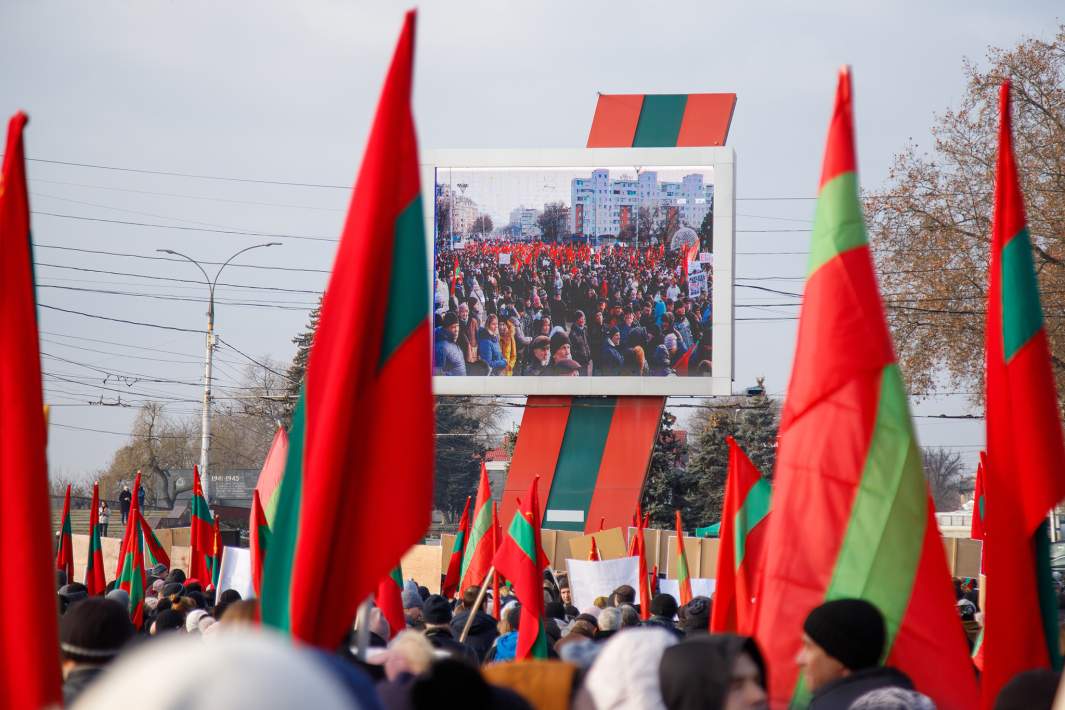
(285, 91)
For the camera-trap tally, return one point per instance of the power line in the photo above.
(121, 320)
(232, 232)
(39, 245)
(174, 279)
(292, 306)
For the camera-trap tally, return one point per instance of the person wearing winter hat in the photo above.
(663, 609)
(898, 699)
(1028, 690)
(842, 642)
(436, 611)
(167, 620)
(719, 672)
(697, 616)
(537, 357)
(447, 355)
(91, 634)
(119, 595)
(70, 594)
(625, 674)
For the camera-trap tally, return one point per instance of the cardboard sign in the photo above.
(611, 544)
(235, 571)
(588, 580)
(701, 587)
(691, 551)
(422, 564)
(963, 556)
(504, 259)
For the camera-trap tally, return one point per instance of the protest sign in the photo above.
(696, 283)
(504, 259)
(701, 587)
(611, 544)
(235, 572)
(588, 580)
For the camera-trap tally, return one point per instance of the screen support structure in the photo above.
(592, 453)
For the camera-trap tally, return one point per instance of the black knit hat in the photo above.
(664, 605)
(450, 319)
(94, 630)
(697, 614)
(558, 340)
(436, 610)
(849, 630)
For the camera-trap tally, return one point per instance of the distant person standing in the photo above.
(140, 498)
(125, 498)
(105, 518)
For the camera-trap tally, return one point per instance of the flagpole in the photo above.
(362, 629)
(477, 603)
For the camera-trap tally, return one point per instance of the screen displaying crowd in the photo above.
(556, 297)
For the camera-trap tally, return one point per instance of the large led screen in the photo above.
(603, 273)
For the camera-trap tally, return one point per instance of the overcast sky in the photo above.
(284, 91)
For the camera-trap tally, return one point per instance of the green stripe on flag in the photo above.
(201, 510)
(753, 511)
(579, 456)
(280, 556)
(838, 222)
(481, 526)
(521, 531)
(659, 122)
(397, 576)
(1022, 316)
(408, 291)
(1048, 601)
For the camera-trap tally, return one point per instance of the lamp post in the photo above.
(205, 424)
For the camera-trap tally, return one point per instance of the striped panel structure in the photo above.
(591, 454)
(661, 120)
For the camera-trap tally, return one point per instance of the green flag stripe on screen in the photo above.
(659, 122)
(579, 457)
(1022, 316)
(408, 291)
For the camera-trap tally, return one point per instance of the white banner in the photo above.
(696, 283)
(504, 259)
(706, 257)
(588, 580)
(235, 572)
(701, 587)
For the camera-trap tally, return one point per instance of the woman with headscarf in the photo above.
(718, 672)
(488, 346)
(508, 344)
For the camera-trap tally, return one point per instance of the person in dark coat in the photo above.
(537, 357)
(483, 629)
(713, 673)
(842, 642)
(611, 360)
(447, 356)
(140, 498)
(125, 498)
(91, 634)
(580, 348)
(436, 611)
(663, 609)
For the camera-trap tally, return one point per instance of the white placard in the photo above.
(701, 587)
(706, 257)
(697, 284)
(235, 572)
(588, 580)
(504, 259)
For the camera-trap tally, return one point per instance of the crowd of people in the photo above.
(539, 309)
(199, 651)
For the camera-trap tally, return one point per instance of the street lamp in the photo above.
(205, 425)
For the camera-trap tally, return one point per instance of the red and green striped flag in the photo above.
(477, 559)
(214, 561)
(454, 565)
(638, 548)
(202, 532)
(684, 582)
(522, 561)
(335, 534)
(976, 530)
(497, 540)
(1025, 468)
(132, 528)
(29, 674)
(389, 599)
(95, 580)
(742, 544)
(64, 559)
(154, 552)
(258, 540)
(131, 561)
(848, 470)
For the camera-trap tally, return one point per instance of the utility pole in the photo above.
(205, 422)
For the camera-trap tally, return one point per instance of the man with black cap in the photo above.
(436, 611)
(447, 356)
(91, 634)
(611, 359)
(663, 609)
(537, 357)
(842, 642)
(483, 630)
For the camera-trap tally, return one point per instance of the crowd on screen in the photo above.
(521, 309)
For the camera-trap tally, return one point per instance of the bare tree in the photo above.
(947, 478)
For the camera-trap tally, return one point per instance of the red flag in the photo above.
(684, 582)
(132, 530)
(271, 472)
(202, 532)
(593, 554)
(94, 565)
(156, 553)
(683, 365)
(497, 540)
(369, 368)
(64, 559)
(744, 519)
(389, 598)
(29, 674)
(214, 562)
(454, 565)
(258, 540)
(639, 549)
(521, 560)
(1024, 474)
(477, 558)
(976, 530)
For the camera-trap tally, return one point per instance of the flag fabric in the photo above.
(131, 560)
(214, 562)
(258, 540)
(389, 598)
(29, 675)
(64, 559)
(641, 552)
(132, 530)
(593, 554)
(154, 552)
(976, 530)
(454, 565)
(742, 544)
(848, 470)
(497, 540)
(369, 368)
(522, 561)
(1024, 474)
(273, 468)
(201, 535)
(684, 582)
(478, 556)
(95, 581)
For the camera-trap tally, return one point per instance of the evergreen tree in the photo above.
(667, 486)
(464, 431)
(298, 369)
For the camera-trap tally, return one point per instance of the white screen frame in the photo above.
(723, 162)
